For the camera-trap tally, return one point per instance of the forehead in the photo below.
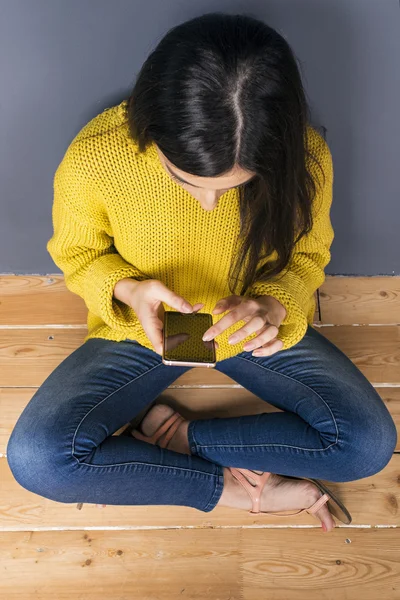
(183, 179)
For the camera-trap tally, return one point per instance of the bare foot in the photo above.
(156, 416)
(279, 494)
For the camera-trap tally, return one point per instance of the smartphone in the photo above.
(182, 343)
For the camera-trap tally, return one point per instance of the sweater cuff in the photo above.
(99, 284)
(294, 326)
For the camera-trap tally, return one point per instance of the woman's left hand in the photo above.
(262, 315)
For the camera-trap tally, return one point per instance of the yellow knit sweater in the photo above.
(117, 213)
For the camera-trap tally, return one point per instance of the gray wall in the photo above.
(64, 61)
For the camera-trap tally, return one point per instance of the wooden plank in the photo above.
(234, 564)
(194, 403)
(371, 501)
(374, 350)
(45, 300)
(345, 564)
(39, 300)
(28, 356)
(363, 300)
(121, 565)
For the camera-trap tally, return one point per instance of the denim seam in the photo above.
(133, 462)
(190, 434)
(157, 465)
(219, 486)
(104, 399)
(280, 445)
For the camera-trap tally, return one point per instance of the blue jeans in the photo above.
(334, 426)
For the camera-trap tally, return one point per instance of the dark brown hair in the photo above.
(220, 90)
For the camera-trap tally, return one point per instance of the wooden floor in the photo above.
(50, 550)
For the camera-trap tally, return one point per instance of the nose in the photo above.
(208, 199)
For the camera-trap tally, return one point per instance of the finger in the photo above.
(235, 315)
(226, 304)
(160, 312)
(163, 293)
(265, 334)
(209, 344)
(272, 347)
(153, 327)
(198, 306)
(257, 323)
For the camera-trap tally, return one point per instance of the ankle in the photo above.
(185, 427)
(182, 439)
(229, 496)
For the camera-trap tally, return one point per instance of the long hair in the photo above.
(220, 90)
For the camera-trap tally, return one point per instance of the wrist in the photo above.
(123, 289)
(276, 308)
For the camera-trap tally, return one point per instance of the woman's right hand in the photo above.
(146, 298)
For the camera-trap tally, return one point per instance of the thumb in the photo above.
(152, 325)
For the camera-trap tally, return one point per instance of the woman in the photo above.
(212, 148)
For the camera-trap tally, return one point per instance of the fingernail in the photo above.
(206, 338)
(324, 527)
(187, 309)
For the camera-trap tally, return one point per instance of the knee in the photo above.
(33, 456)
(372, 445)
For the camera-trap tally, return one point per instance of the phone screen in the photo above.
(182, 337)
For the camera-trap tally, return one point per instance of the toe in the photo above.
(323, 514)
(325, 517)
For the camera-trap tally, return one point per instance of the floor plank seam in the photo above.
(181, 527)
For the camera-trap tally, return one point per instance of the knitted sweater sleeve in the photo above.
(82, 243)
(305, 273)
